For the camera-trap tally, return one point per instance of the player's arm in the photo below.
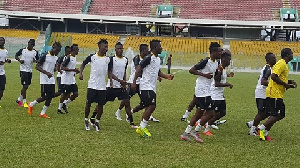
(199, 66)
(138, 73)
(65, 64)
(217, 79)
(36, 58)
(169, 77)
(17, 56)
(109, 72)
(82, 66)
(277, 70)
(39, 67)
(266, 75)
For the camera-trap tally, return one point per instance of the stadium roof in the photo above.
(148, 20)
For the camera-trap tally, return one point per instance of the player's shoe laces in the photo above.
(143, 132)
(96, 126)
(118, 116)
(153, 119)
(29, 110)
(19, 103)
(25, 105)
(185, 137)
(59, 111)
(86, 124)
(196, 136)
(262, 135)
(43, 116)
(208, 133)
(214, 126)
(92, 121)
(65, 108)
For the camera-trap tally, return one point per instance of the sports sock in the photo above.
(118, 111)
(86, 119)
(60, 106)
(262, 127)
(44, 110)
(66, 102)
(188, 129)
(252, 129)
(20, 98)
(24, 100)
(143, 123)
(266, 132)
(186, 114)
(33, 103)
(198, 128)
(250, 123)
(97, 121)
(207, 127)
(131, 111)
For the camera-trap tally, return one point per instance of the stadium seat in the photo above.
(19, 33)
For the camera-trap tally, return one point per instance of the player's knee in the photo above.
(25, 87)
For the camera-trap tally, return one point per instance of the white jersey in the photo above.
(3, 55)
(47, 63)
(260, 90)
(217, 93)
(60, 61)
(151, 66)
(135, 62)
(99, 68)
(68, 77)
(119, 66)
(206, 66)
(28, 56)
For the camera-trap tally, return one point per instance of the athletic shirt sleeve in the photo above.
(145, 61)
(201, 64)
(36, 55)
(110, 64)
(136, 60)
(87, 59)
(126, 63)
(66, 61)
(266, 72)
(60, 59)
(19, 53)
(42, 59)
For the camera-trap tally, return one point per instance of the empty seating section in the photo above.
(19, 33)
(185, 51)
(44, 6)
(123, 7)
(251, 53)
(227, 9)
(84, 40)
(295, 4)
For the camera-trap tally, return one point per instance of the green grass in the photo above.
(62, 141)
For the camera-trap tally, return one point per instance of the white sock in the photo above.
(20, 98)
(266, 132)
(66, 102)
(97, 121)
(33, 103)
(44, 110)
(24, 100)
(262, 127)
(143, 123)
(188, 129)
(131, 111)
(151, 117)
(118, 111)
(250, 123)
(252, 129)
(198, 128)
(186, 114)
(60, 106)
(86, 119)
(207, 127)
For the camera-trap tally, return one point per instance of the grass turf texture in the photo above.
(62, 141)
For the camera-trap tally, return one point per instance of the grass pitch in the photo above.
(62, 141)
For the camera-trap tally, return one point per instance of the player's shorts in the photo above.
(96, 96)
(275, 106)
(25, 77)
(2, 82)
(219, 106)
(204, 103)
(131, 92)
(48, 90)
(148, 97)
(113, 93)
(261, 105)
(70, 88)
(60, 87)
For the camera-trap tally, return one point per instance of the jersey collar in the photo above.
(28, 49)
(118, 57)
(211, 59)
(99, 55)
(50, 53)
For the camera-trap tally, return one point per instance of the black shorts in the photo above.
(261, 105)
(275, 106)
(204, 103)
(2, 82)
(25, 78)
(112, 93)
(96, 96)
(148, 97)
(131, 92)
(70, 88)
(48, 90)
(219, 106)
(60, 87)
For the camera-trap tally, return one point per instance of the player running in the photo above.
(3, 60)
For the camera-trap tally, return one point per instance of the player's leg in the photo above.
(91, 93)
(70, 89)
(49, 95)
(261, 115)
(190, 108)
(101, 100)
(2, 85)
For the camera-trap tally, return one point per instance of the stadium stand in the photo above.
(44, 6)
(19, 33)
(118, 8)
(295, 3)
